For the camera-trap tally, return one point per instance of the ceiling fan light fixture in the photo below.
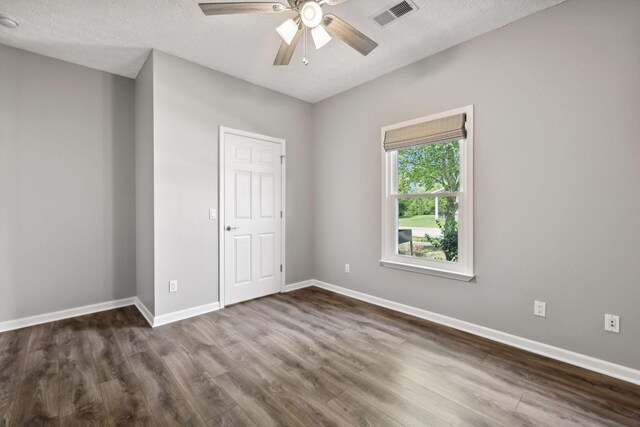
(311, 14)
(308, 15)
(320, 36)
(287, 30)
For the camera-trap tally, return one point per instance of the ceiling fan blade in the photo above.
(286, 50)
(345, 32)
(332, 2)
(241, 7)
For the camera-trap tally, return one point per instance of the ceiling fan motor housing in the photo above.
(311, 14)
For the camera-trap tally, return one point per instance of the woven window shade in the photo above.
(440, 130)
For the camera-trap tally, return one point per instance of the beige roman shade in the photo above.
(439, 130)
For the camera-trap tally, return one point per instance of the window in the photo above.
(427, 206)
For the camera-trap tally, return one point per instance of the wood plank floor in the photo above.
(304, 358)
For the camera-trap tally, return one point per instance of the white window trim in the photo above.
(461, 270)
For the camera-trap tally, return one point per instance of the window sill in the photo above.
(464, 277)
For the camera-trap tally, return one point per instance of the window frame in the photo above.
(463, 268)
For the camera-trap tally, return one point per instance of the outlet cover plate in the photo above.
(173, 286)
(540, 309)
(612, 323)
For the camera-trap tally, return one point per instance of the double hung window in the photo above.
(427, 208)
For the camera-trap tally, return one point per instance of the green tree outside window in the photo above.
(429, 169)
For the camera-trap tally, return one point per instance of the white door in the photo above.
(252, 216)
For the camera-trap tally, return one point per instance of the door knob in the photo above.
(229, 228)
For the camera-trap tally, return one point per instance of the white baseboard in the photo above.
(597, 365)
(601, 366)
(176, 315)
(144, 311)
(299, 285)
(109, 305)
(65, 314)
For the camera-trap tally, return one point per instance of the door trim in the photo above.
(221, 206)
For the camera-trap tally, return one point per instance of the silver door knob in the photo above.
(229, 228)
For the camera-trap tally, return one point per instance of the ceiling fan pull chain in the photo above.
(305, 61)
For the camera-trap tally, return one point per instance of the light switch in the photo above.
(212, 214)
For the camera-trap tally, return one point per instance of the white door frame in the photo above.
(221, 207)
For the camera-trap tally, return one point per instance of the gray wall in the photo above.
(557, 97)
(190, 103)
(144, 185)
(66, 194)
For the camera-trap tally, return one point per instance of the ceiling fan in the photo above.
(309, 16)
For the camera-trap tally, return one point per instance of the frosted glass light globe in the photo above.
(288, 30)
(311, 14)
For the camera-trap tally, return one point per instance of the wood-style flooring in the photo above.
(303, 358)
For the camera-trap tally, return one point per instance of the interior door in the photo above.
(252, 217)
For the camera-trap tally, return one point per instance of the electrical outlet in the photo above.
(612, 323)
(173, 286)
(347, 269)
(540, 309)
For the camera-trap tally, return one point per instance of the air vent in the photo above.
(401, 9)
(393, 13)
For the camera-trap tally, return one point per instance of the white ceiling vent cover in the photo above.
(393, 13)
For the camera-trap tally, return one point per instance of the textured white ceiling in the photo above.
(116, 35)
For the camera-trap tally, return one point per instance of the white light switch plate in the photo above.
(213, 214)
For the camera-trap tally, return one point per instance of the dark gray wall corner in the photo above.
(144, 185)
